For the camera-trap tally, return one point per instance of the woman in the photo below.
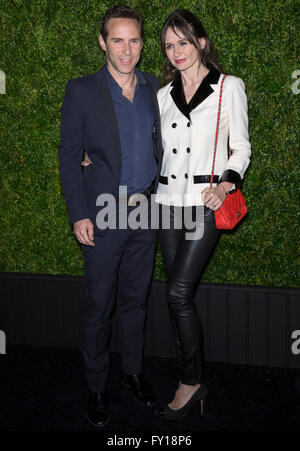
(189, 106)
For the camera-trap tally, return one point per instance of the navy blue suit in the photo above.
(121, 259)
(89, 123)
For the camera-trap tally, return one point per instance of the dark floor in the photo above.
(44, 389)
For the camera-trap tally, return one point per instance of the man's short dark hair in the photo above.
(120, 12)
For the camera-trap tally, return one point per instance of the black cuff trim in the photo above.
(163, 180)
(231, 176)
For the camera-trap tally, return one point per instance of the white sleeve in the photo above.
(237, 108)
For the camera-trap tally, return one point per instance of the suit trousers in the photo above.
(184, 261)
(120, 263)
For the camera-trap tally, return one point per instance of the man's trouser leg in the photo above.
(101, 268)
(128, 254)
(134, 282)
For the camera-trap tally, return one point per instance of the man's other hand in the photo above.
(87, 161)
(84, 232)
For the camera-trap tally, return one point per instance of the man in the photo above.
(112, 115)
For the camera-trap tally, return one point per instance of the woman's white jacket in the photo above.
(188, 135)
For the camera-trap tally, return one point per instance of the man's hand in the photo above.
(84, 231)
(87, 161)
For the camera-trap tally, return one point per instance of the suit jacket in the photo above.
(188, 138)
(89, 124)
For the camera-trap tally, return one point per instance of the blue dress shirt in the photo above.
(135, 122)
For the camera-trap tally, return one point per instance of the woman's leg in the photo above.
(190, 258)
(170, 239)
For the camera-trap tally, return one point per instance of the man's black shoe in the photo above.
(97, 411)
(141, 390)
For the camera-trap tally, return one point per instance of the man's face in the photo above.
(123, 45)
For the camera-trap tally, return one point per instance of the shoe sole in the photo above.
(183, 416)
(97, 425)
(169, 418)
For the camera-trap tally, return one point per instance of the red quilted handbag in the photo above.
(234, 207)
(231, 211)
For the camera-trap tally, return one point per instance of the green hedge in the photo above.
(47, 42)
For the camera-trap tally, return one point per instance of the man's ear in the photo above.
(102, 43)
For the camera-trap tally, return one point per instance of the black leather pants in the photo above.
(184, 261)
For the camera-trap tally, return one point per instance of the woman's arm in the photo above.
(236, 105)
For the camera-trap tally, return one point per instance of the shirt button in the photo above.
(188, 124)
(173, 176)
(174, 125)
(174, 150)
(188, 150)
(186, 176)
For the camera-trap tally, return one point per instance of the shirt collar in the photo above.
(112, 82)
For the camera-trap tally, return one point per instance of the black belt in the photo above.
(197, 179)
(132, 199)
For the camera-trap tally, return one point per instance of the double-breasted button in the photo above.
(174, 150)
(188, 150)
(188, 124)
(186, 176)
(174, 125)
(173, 176)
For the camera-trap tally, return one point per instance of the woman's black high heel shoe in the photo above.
(171, 414)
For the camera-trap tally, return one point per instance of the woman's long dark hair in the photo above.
(184, 22)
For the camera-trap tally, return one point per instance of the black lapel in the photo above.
(106, 100)
(200, 95)
(178, 96)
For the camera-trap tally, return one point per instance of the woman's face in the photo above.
(181, 53)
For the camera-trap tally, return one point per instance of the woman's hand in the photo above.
(86, 161)
(213, 198)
